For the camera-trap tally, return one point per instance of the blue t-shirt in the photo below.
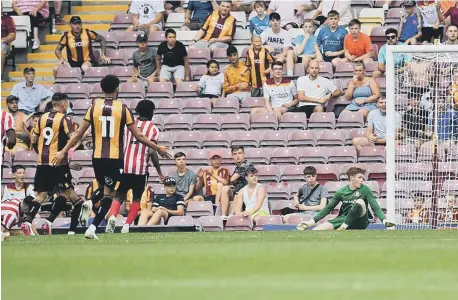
(400, 59)
(257, 26)
(309, 47)
(447, 124)
(200, 10)
(331, 41)
(410, 28)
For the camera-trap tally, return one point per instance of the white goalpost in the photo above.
(422, 152)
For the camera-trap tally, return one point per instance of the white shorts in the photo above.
(169, 72)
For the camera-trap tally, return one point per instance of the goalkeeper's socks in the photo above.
(103, 210)
(133, 212)
(75, 216)
(59, 204)
(355, 213)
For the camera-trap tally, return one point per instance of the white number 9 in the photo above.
(48, 135)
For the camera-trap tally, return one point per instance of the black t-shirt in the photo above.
(171, 202)
(172, 57)
(241, 170)
(415, 120)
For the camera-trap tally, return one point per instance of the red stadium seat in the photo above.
(326, 70)
(216, 139)
(160, 90)
(56, 88)
(329, 172)
(197, 157)
(83, 157)
(95, 74)
(258, 155)
(393, 16)
(284, 156)
(155, 38)
(426, 152)
(26, 158)
(228, 105)
(292, 173)
(278, 191)
(180, 221)
(450, 187)
(344, 168)
(207, 122)
(250, 103)
(121, 21)
(264, 121)
(344, 70)
(178, 122)
(448, 169)
(187, 89)
(86, 175)
(81, 106)
(245, 138)
(80, 190)
(322, 120)
(298, 70)
(158, 120)
(293, 120)
(166, 138)
(124, 73)
(356, 132)
(239, 223)
(345, 154)
(267, 220)
(239, 121)
(274, 138)
(382, 83)
(302, 138)
(378, 34)
(197, 71)
(131, 90)
(405, 153)
(196, 106)
(188, 139)
(199, 208)
(372, 154)
(95, 91)
(127, 39)
(350, 119)
(198, 56)
(219, 54)
(7, 161)
(77, 90)
(295, 219)
(68, 75)
(268, 174)
(118, 57)
(331, 137)
(334, 186)
(313, 155)
(277, 205)
(211, 223)
(168, 106)
(111, 39)
(374, 187)
(7, 176)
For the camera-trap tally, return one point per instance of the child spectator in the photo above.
(450, 214)
(305, 44)
(418, 214)
(211, 84)
(175, 63)
(144, 62)
(260, 22)
(236, 77)
(431, 29)
(357, 45)
(18, 189)
(212, 181)
(311, 197)
(330, 40)
(185, 179)
(410, 26)
(259, 61)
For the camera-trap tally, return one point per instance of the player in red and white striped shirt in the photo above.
(136, 157)
(8, 134)
(11, 213)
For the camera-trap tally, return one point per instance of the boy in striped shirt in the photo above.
(12, 212)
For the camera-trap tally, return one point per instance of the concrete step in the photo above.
(53, 38)
(47, 48)
(91, 19)
(93, 9)
(44, 57)
(37, 66)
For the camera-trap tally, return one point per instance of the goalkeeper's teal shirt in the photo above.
(348, 197)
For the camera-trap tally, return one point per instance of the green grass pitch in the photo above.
(385, 265)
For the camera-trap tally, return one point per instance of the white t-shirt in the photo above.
(278, 41)
(212, 85)
(286, 11)
(378, 121)
(146, 10)
(428, 14)
(280, 94)
(315, 88)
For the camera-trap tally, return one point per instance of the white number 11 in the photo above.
(110, 122)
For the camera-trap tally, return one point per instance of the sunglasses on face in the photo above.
(390, 37)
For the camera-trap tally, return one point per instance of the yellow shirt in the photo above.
(235, 75)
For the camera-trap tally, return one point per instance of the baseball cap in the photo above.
(213, 154)
(75, 19)
(408, 3)
(142, 38)
(170, 181)
(28, 69)
(11, 98)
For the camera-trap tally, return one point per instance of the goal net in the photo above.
(422, 136)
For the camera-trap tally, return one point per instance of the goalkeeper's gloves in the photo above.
(388, 223)
(305, 225)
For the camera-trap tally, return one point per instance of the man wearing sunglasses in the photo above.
(401, 59)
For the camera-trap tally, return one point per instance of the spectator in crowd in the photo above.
(401, 59)
(342, 7)
(259, 61)
(357, 45)
(236, 77)
(164, 206)
(185, 179)
(259, 23)
(410, 25)
(237, 180)
(147, 16)
(305, 44)
(175, 61)
(279, 93)
(18, 189)
(451, 14)
(330, 40)
(454, 89)
(31, 95)
(314, 91)
(8, 134)
(242, 5)
(362, 91)
(212, 181)
(218, 29)
(291, 12)
(22, 135)
(33, 121)
(211, 84)
(38, 12)
(197, 12)
(253, 196)
(450, 213)
(311, 197)
(376, 127)
(431, 29)
(387, 4)
(418, 214)
(447, 125)
(278, 42)
(173, 7)
(57, 8)
(415, 122)
(452, 35)
(8, 36)
(78, 42)
(146, 200)
(144, 61)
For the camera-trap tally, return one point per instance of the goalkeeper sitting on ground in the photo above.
(353, 213)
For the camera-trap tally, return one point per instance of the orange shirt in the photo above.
(446, 5)
(233, 76)
(358, 47)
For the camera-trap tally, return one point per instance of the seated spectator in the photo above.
(259, 23)
(362, 91)
(259, 61)
(291, 12)
(173, 7)
(31, 95)
(145, 201)
(243, 5)
(278, 42)
(197, 12)
(11, 215)
(401, 59)
(447, 125)
(77, 41)
(212, 181)
(418, 214)
(330, 40)
(147, 16)
(311, 197)
(175, 61)
(410, 25)
(376, 127)
(314, 91)
(305, 44)
(211, 84)
(22, 135)
(57, 8)
(236, 77)
(341, 7)
(357, 45)
(144, 61)
(454, 89)
(164, 206)
(18, 189)
(450, 16)
(185, 179)
(450, 214)
(253, 196)
(415, 122)
(431, 29)
(452, 35)
(218, 29)
(279, 93)
(33, 121)
(8, 36)
(38, 12)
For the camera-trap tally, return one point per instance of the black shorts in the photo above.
(78, 64)
(429, 34)
(307, 109)
(108, 172)
(136, 183)
(330, 58)
(52, 179)
(211, 198)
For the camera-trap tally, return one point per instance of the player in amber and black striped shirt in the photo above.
(107, 117)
